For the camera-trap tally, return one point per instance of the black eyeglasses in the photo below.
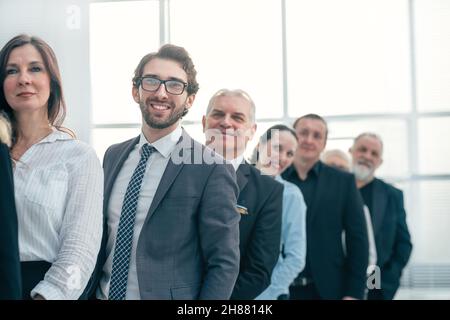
(152, 84)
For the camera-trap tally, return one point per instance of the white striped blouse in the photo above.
(59, 194)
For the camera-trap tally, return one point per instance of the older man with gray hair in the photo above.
(229, 124)
(385, 203)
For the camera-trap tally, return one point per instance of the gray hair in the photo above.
(233, 93)
(5, 130)
(336, 152)
(370, 135)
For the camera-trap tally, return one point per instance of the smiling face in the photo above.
(229, 126)
(160, 109)
(312, 138)
(367, 157)
(27, 82)
(277, 153)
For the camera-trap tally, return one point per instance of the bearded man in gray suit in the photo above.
(171, 217)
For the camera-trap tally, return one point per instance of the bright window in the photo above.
(433, 51)
(347, 56)
(234, 44)
(121, 33)
(434, 149)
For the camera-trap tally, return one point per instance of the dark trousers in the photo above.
(307, 292)
(375, 294)
(32, 273)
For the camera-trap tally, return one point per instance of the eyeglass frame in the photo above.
(139, 83)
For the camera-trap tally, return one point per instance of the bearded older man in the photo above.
(385, 203)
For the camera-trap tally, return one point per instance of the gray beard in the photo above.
(362, 173)
(174, 117)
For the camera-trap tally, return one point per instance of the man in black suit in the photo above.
(229, 124)
(334, 205)
(385, 203)
(10, 280)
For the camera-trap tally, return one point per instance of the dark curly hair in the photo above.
(177, 54)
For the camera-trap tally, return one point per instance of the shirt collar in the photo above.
(164, 145)
(56, 135)
(291, 171)
(316, 168)
(237, 162)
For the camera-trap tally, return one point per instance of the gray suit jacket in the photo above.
(189, 244)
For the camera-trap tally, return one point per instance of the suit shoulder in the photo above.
(115, 149)
(389, 188)
(264, 181)
(119, 146)
(213, 158)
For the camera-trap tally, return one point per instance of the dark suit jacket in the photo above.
(189, 244)
(392, 237)
(337, 207)
(10, 279)
(260, 230)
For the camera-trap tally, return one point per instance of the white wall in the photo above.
(64, 25)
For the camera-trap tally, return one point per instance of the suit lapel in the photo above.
(242, 175)
(111, 178)
(321, 185)
(184, 145)
(379, 202)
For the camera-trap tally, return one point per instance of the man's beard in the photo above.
(362, 173)
(156, 123)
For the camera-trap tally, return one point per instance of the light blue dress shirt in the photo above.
(293, 242)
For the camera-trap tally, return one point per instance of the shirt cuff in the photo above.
(48, 291)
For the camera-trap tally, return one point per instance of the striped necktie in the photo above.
(124, 240)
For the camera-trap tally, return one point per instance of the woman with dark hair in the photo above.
(58, 179)
(10, 282)
(273, 154)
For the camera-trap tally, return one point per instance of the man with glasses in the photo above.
(172, 226)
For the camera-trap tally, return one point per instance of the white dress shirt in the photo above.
(237, 162)
(59, 195)
(372, 246)
(371, 238)
(155, 168)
